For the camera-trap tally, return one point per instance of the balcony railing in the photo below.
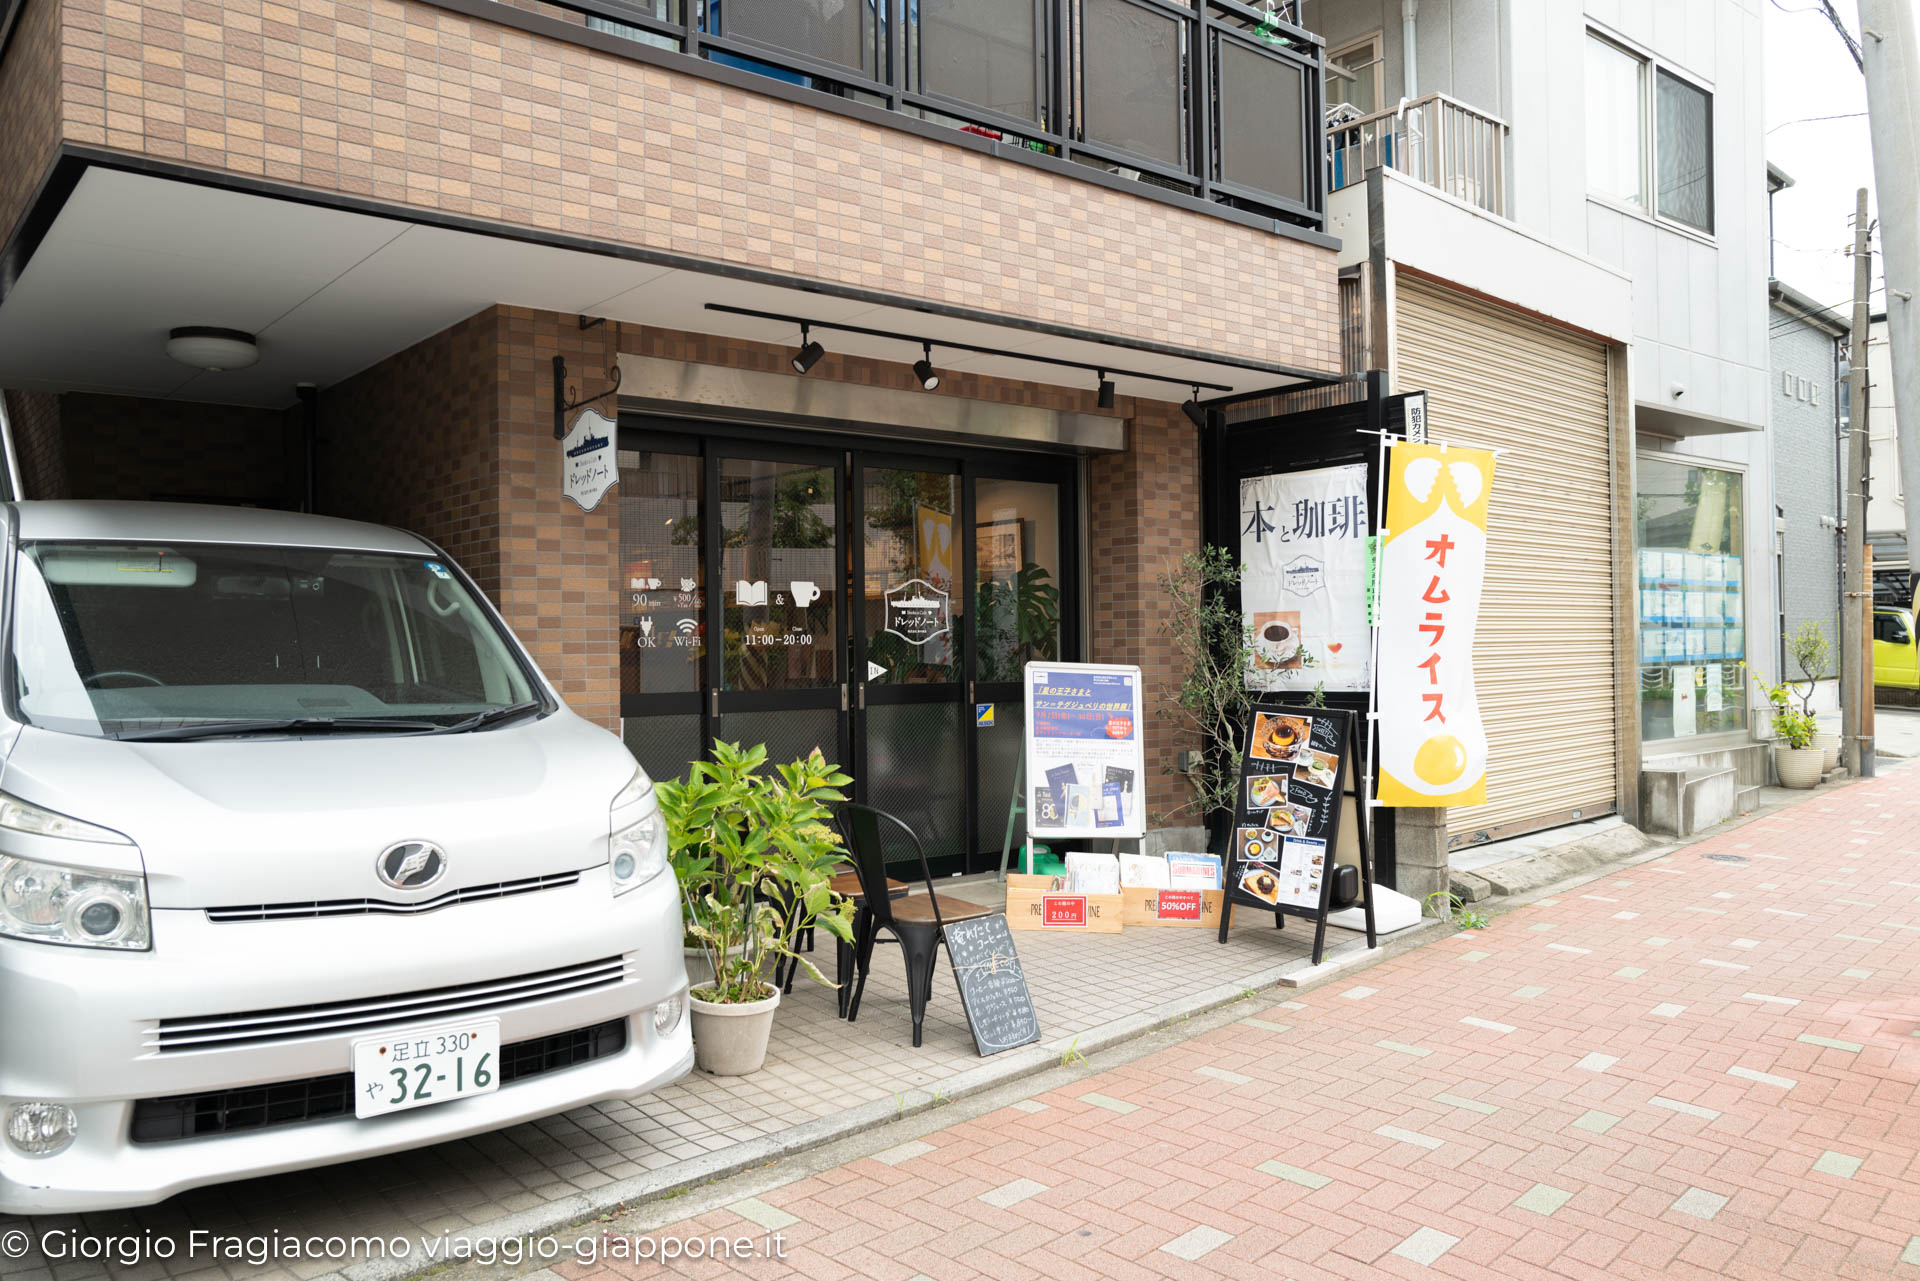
(1214, 99)
(1437, 140)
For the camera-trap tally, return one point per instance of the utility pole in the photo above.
(1856, 746)
(1890, 59)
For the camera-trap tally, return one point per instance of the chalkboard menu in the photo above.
(993, 987)
(1286, 817)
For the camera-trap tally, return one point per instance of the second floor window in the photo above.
(1649, 136)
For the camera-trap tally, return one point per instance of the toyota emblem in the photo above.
(411, 865)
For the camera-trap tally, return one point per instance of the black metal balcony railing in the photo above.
(1215, 99)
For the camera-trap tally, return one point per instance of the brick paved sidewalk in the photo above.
(1704, 1066)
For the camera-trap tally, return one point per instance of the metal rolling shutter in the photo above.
(1543, 655)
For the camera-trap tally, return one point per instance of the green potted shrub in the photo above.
(759, 850)
(1796, 759)
(1808, 649)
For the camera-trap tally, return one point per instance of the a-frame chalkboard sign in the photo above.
(1294, 773)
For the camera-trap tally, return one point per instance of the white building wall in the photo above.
(1700, 307)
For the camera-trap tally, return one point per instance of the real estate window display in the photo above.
(1692, 579)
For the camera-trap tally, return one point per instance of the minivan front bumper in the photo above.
(83, 1028)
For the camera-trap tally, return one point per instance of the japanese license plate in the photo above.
(419, 1066)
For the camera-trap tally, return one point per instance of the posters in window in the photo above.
(1303, 539)
(1433, 743)
(1086, 751)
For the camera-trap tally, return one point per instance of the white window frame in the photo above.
(1374, 42)
(1651, 67)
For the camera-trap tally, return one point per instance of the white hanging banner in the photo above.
(587, 463)
(1303, 540)
(1433, 564)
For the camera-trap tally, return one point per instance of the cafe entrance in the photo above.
(870, 598)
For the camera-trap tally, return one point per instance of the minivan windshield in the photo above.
(195, 640)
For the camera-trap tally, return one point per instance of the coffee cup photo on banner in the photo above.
(1085, 750)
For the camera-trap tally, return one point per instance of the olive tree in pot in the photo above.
(1214, 649)
(760, 849)
(1795, 758)
(1808, 649)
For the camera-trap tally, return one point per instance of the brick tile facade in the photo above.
(1143, 515)
(417, 105)
(453, 438)
(34, 418)
(122, 448)
(30, 125)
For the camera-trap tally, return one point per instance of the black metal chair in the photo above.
(919, 922)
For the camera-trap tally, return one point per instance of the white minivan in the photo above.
(301, 859)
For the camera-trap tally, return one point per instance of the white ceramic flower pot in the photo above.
(1798, 766)
(731, 1040)
(1829, 745)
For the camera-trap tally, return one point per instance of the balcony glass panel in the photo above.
(841, 32)
(982, 52)
(1262, 134)
(1134, 79)
(664, 10)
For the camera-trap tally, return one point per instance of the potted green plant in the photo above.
(1808, 649)
(760, 852)
(1795, 758)
(1213, 648)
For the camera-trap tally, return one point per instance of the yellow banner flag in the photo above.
(1433, 565)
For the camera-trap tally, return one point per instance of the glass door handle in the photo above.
(714, 701)
(843, 696)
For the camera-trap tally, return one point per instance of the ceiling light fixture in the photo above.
(1058, 362)
(212, 349)
(1195, 414)
(1106, 391)
(923, 368)
(809, 354)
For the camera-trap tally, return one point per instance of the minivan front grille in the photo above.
(292, 1022)
(381, 907)
(320, 1098)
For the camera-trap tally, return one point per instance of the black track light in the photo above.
(923, 368)
(1106, 391)
(1194, 412)
(809, 354)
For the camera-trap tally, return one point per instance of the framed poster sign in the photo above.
(1086, 750)
(1294, 772)
(1303, 539)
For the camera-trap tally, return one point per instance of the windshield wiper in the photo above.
(287, 725)
(492, 716)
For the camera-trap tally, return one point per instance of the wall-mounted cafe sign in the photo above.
(587, 464)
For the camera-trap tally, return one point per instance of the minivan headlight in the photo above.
(48, 903)
(636, 853)
(22, 816)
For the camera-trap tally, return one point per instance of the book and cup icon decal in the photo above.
(747, 592)
(804, 592)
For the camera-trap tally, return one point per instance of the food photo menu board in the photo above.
(1287, 816)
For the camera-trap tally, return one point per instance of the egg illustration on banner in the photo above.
(1433, 744)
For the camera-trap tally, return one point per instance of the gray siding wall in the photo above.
(1806, 464)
